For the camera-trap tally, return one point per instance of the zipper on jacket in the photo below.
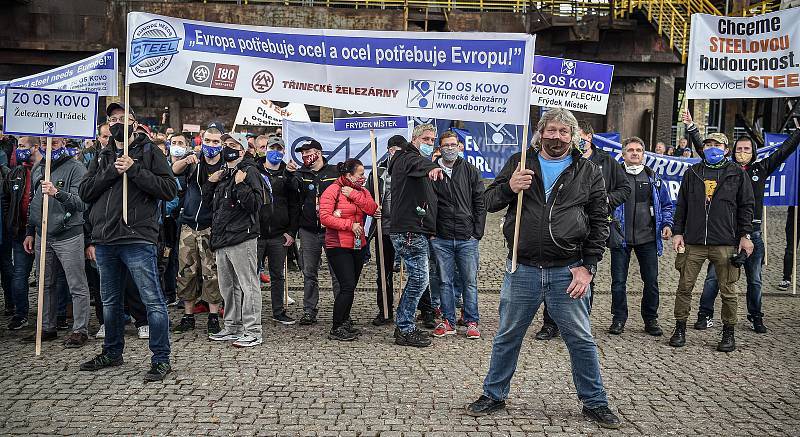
(550, 219)
(197, 215)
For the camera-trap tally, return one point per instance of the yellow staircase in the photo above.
(672, 18)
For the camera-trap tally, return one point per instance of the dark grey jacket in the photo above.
(65, 210)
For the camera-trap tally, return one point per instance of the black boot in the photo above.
(678, 338)
(728, 343)
(758, 324)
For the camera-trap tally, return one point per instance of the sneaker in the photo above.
(46, 336)
(247, 340)
(173, 303)
(213, 324)
(289, 300)
(342, 334)
(225, 335)
(617, 327)
(101, 333)
(264, 277)
(653, 328)
(283, 319)
(547, 332)
(472, 331)
(415, 338)
(17, 323)
(484, 405)
(307, 319)
(75, 340)
(443, 329)
(784, 285)
(758, 324)
(603, 416)
(157, 372)
(350, 327)
(703, 321)
(379, 320)
(143, 332)
(61, 323)
(186, 324)
(101, 362)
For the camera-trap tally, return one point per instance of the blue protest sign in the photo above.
(473, 155)
(568, 83)
(359, 120)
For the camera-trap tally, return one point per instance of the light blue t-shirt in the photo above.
(551, 170)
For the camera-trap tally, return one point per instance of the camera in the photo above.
(739, 259)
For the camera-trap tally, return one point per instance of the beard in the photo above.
(555, 147)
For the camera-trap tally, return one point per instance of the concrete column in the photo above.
(664, 109)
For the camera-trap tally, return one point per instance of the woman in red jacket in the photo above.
(342, 210)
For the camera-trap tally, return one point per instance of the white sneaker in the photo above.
(289, 300)
(784, 285)
(101, 333)
(247, 340)
(225, 335)
(144, 332)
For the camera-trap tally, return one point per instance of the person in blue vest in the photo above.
(642, 221)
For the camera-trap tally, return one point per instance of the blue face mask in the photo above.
(714, 155)
(54, 155)
(274, 157)
(211, 151)
(72, 152)
(582, 145)
(426, 150)
(23, 155)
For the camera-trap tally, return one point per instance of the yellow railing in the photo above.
(445, 5)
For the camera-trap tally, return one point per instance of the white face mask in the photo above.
(177, 151)
(634, 169)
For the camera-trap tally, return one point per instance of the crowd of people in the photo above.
(208, 218)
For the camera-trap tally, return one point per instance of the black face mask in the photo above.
(230, 154)
(118, 131)
(554, 147)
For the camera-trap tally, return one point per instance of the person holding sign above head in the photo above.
(713, 221)
(565, 220)
(745, 155)
(617, 189)
(17, 188)
(132, 244)
(197, 266)
(64, 252)
(310, 181)
(343, 208)
(639, 226)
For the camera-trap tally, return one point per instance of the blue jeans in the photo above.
(462, 254)
(413, 248)
(752, 270)
(140, 260)
(520, 297)
(647, 254)
(23, 263)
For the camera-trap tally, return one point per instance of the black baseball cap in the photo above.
(313, 144)
(113, 106)
(217, 125)
(396, 141)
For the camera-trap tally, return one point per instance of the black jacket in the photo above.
(310, 185)
(277, 217)
(570, 226)
(193, 211)
(617, 187)
(758, 171)
(386, 204)
(411, 189)
(150, 179)
(14, 182)
(729, 215)
(461, 212)
(236, 206)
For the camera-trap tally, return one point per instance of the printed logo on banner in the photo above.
(421, 94)
(152, 47)
(568, 67)
(211, 75)
(500, 134)
(49, 127)
(262, 81)
(423, 120)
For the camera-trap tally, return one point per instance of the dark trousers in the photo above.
(134, 306)
(647, 255)
(388, 266)
(273, 250)
(6, 270)
(346, 265)
(788, 254)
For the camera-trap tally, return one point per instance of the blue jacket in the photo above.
(662, 206)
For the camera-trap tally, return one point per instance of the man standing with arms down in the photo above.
(564, 226)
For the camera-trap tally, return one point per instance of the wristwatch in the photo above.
(592, 268)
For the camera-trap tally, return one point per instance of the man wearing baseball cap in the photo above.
(713, 221)
(310, 181)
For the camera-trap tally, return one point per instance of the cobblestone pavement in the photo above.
(300, 383)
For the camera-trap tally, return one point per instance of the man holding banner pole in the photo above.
(131, 243)
(745, 155)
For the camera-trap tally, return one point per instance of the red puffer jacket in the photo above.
(339, 230)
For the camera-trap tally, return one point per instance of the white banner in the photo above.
(262, 112)
(50, 113)
(337, 146)
(752, 57)
(96, 73)
(463, 76)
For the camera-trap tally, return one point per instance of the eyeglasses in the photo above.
(116, 119)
